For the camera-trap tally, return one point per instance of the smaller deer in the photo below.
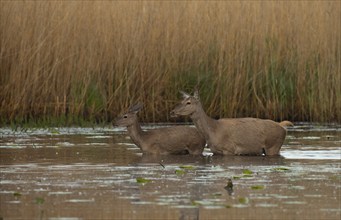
(168, 140)
(234, 136)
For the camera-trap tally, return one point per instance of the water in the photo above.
(92, 173)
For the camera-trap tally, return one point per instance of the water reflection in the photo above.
(97, 173)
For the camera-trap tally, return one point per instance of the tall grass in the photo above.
(73, 61)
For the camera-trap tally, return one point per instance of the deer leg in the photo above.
(272, 151)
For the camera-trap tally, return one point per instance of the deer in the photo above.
(163, 141)
(233, 136)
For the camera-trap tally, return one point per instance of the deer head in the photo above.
(188, 105)
(130, 116)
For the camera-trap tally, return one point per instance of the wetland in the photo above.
(97, 173)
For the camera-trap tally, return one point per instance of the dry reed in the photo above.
(72, 60)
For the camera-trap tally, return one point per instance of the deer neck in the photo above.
(135, 132)
(205, 124)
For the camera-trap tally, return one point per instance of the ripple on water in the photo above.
(202, 186)
(80, 200)
(64, 218)
(312, 154)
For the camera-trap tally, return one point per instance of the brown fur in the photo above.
(239, 136)
(286, 124)
(168, 140)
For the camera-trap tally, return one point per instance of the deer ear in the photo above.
(185, 95)
(196, 94)
(136, 108)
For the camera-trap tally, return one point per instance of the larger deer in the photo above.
(168, 140)
(234, 136)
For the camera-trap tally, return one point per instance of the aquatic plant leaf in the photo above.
(142, 180)
(54, 131)
(236, 177)
(281, 169)
(196, 203)
(16, 194)
(40, 200)
(187, 167)
(247, 175)
(257, 187)
(247, 172)
(202, 203)
(243, 200)
(180, 172)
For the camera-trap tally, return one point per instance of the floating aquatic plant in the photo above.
(247, 175)
(142, 180)
(257, 187)
(39, 200)
(16, 194)
(180, 172)
(281, 169)
(195, 203)
(187, 167)
(243, 200)
(54, 131)
(247, 172)
(183, 169)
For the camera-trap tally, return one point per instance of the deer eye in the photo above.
(125, 116)
(188, 103)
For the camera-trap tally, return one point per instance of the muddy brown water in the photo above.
(97, 173)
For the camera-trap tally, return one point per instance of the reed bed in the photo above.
(66, 62)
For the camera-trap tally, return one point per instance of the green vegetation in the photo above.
(16, 194)
(186, 167)
(243, 200)
(180, 172)
(183, 169)
(247, 173)
(281, 169)
(257, 187)
(65, 63)
(142, 180)
(39, 200)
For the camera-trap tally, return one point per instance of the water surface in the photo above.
(88, 173)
